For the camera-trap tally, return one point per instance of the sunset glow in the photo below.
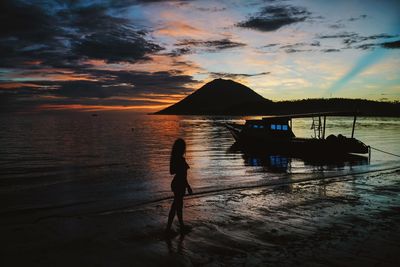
(126, 54)
(92, 108)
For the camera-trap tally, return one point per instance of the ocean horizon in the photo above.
(115, 160)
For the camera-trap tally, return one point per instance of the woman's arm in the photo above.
(190, 191)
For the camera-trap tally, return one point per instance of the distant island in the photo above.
(227, 97)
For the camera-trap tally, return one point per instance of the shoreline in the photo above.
(330, 222)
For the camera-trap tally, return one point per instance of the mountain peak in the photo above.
(215, 97)
(223, 82)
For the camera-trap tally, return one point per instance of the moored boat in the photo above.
(274, 134)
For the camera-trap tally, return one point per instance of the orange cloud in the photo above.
(92, 108)
(157, 63)
(165, 98)
(180, 29)
(17, 85)
(32, 62)
(50, 74)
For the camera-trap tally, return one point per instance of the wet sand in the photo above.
(350, 220)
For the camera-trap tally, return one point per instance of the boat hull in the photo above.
(308, 147)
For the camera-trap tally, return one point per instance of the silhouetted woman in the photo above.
(179, 167)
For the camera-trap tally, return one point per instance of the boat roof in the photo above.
(307, 115)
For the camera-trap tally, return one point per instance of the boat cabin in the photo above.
(274, 127)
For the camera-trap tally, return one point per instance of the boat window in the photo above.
(279, 127)
(255, 126)
(284, 127)
(273, 127)
(261, 126)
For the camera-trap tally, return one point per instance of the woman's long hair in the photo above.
(178, 149)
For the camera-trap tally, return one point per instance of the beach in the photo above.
(90, 191)
(348, 220)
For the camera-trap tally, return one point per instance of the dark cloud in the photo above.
(293, 50)
(315, 43)
(211, 45)
(47, 37)
(354, 40)
(111, 90)
(211, 9)
(350, 38)
(366, 46)
(271, 18)
(216, 75)
(116, 46)
(340, 24)
(270, 45)
(128, 3)
(180, 51)
(337, 26)
(26, 22)
(358, 18)
(60, 34)
(292, 45)
(156, 82)
(358, 39)
(330, 50)
(102, 36)
(183, 63)
(337, 35)
(90, 19)
(29, 104)
(27, 33)
(113, 83)
(91, 89)
(300, 47)
(102, 102)
(392, 45)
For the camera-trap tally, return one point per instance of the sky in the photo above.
(145, 55)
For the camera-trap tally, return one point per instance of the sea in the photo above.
(84, 162)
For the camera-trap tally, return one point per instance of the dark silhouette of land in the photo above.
(216, 97)
(227, 97)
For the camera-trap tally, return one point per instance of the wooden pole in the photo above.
(369, 154)
(323, 130)
(319, 127)
(354, 125)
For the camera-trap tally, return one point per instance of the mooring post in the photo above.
(354, 125)
(369, 154)
(319, 127)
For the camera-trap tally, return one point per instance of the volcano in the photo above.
(219, 96)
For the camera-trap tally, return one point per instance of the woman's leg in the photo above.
(171, 214)
(179, 209)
